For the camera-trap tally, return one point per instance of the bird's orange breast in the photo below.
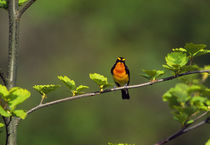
(119, 74)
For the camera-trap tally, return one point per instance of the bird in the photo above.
(121, 76)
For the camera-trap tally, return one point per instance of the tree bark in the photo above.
(11, 126)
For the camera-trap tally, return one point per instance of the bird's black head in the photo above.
(120, 59)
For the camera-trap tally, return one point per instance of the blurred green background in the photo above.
(78, 37)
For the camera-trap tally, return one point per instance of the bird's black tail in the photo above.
(125, 94)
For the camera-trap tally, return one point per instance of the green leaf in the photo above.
(100, 80)
(68, 82)
(201, 52)
(4, 112)
(45, 89)
(179, 49)
(208, 142)
(205, 75)
(1, 125)
(190, 121)
(3, 4)
(196, 49)
(188, 68)
(17, 96)
(3, 92)
(20, 113)
(176, 59)
(200, 102)
(181, 117)
(21, 2)
(81, 88)
(152, 74)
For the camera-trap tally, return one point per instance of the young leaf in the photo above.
(3, 4)
(3, 92)
(20, 113)
(208, 142)
(4, 112)
(68, 82)
(100, 80)
(1, 125)
(21, 2)
(196, 49)
(199, 102)
(152, 74)
(17, 96)
(45, 89)
(176, 59)
(205, 75)
(179, 49)
(79, 90)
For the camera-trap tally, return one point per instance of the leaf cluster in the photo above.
(10, 99)
(72, 85)
(4, 3)
(190, 97)
(186, 101)
(180, 59)
(100, 80)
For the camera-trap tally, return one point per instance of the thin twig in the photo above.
(3, 78)
(185, 129)
(200, 116)
(207, 120)
(111, 90)
(25, 7)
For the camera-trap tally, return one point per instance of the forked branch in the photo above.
(25, 7)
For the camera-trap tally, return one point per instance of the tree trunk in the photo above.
(12, 66)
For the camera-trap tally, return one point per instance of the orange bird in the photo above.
(121, 75)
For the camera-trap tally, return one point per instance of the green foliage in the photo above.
(17, 96)
(12, 99)
(176, 61)
(100, 80)
(196, 49)
(45, 89)
(72, 86)
(4, 112)
(79, 89)
(20, 113)
(68, 82)
(4, 4)
(186, 100)
(21, 2)
(3, 91)
(1, 125)
(208, 142)
(152, 74)
(191, 97)
(205, 75)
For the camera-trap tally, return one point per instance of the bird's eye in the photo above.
(123, 59)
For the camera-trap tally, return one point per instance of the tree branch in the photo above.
(11, 131)
(3, 78)
(111, 90)
(184, 130)
(25, 7)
